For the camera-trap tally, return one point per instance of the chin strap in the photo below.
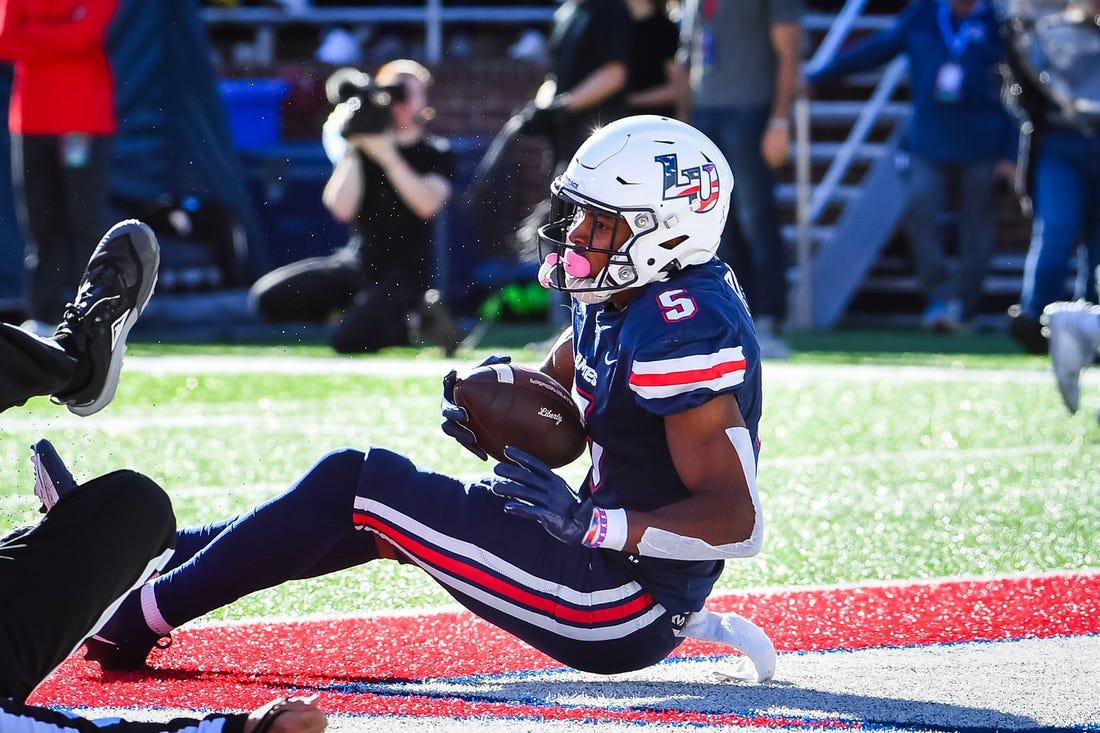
(740, 633)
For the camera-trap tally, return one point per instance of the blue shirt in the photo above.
(679, 344)
(976, 127)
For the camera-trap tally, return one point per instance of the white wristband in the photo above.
(607, 529)
(779, 122)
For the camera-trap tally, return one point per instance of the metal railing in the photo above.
(434, 15)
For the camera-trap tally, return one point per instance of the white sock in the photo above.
(149, 609)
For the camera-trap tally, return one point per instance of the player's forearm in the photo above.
(344, 189)
(787, 39)
(598, 86)
(704, 526)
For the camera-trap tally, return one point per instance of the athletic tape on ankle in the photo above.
(606, 529)
(149, 610)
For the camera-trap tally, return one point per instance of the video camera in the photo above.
(364, 102)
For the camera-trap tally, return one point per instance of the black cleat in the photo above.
(51, 479)
(116, 657)
(117, 284)
(124, 642)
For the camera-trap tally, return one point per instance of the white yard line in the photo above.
(199, 364)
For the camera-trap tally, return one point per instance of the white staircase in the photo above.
(847, 196)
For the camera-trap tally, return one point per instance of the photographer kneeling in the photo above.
(389, 182)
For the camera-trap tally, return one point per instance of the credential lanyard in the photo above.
(968, 28)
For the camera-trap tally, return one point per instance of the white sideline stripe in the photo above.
(401, 368)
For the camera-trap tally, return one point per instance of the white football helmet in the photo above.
(669, 183)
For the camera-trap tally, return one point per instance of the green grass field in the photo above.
(885, 455)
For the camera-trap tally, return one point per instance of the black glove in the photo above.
(537, 493)
(455, 417)
(542, 120)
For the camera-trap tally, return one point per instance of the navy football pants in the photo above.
(580, 606)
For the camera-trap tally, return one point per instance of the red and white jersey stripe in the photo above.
(664, 378)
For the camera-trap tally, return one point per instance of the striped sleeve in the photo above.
(676, 376)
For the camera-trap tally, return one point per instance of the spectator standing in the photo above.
(389, 184)
(959, 133)
(743, 59)
(586, 89)
(62, 122)
(1058, 96)
(656, 83)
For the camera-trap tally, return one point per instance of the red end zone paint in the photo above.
(243, 666)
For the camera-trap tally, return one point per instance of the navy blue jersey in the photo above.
(679, 344)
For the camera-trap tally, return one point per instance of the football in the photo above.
(509, 404)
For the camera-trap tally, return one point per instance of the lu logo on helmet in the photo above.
(699, 184)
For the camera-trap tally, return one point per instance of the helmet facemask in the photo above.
(564, 266)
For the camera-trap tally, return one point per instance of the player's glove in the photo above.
(455, 417)
(537, 493)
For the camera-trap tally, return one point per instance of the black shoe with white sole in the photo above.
(117, 284)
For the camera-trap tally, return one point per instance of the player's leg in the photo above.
(583, 607)
(375, 318)
(40, 195)
(976, 227)
(580, 606)
(926, 180)
(92, 547)
(80, 366)
(307, 290)
(739, 134)
(305, 531)
(32, 366)
(1059, 210)
(86, 201)
(1088, 286)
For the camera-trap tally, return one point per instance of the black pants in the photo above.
(61, 201)
(371, 315)
(60, 579)
(30, 366)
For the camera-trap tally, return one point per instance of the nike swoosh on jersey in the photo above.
(670, 377)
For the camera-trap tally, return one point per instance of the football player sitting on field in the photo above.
(663, 362)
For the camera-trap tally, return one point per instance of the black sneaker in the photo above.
(51, 479)
(124, 642)
(117, 284)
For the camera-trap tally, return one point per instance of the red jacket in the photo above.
(63, 81)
